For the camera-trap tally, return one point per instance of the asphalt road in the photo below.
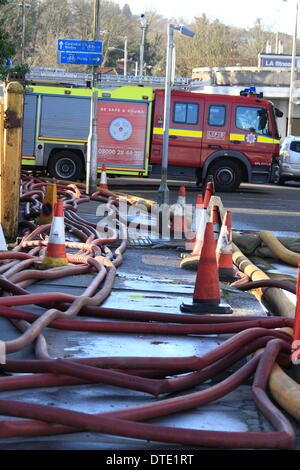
(254, 207)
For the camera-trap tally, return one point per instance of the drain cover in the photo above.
(139, 242)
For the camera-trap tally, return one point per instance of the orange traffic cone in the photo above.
(295, 355)
(56, 248)
(224, 251)
(209, 191)
(206, 298)
(179, 224)
(103, 178)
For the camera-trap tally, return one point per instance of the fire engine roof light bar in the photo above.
(163, 190)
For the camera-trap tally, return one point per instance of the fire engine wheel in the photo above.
(227, 175)
(66, 165)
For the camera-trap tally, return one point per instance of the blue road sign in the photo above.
(79, 58)
(75, 45)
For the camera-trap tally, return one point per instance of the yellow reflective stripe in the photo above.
(57, 139)
(199, 134)
(28, 161)
(179, 132)
(261, 139)
(240, 137)
(123, 92)
(186, 133)
(140, 170)
(51, 90)
(158, 130)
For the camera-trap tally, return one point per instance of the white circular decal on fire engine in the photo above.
(251, 138)
(120, 129)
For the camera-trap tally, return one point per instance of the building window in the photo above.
(251, 119)
(216, 115)
(186, 113)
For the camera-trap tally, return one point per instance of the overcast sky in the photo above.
(277, 15)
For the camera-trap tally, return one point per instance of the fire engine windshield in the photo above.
(252, 119)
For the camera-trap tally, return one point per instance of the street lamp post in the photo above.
(293, 72)
(143, 23)
(96, 34)
(92, 150)
(23, 5)
(125, 56)
(163, 190)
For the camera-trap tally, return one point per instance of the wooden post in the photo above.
(1, 149)
(1, 139)
(10, 164)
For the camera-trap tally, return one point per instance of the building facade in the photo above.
(272, 81)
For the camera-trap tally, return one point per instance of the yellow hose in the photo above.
(275, 298)
(283, 253)
(63, 182)
(136, 199)
(190, 262)
(284, 390)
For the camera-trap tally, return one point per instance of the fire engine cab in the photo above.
(233, 138)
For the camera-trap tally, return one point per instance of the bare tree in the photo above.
(214, 44)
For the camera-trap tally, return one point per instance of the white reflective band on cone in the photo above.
(178, 210)
(57, 232)
(200, 233)
(196, 218)
(224, 244)
(202, 225)
(103, 178)
(3, 245)
(181, 200)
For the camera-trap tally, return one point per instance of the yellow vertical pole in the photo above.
(1, 139)
(47, 209)
(11, 162)
(1, 151)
